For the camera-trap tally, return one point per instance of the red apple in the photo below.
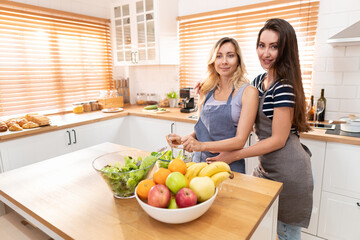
(185, 197)
(159, 196)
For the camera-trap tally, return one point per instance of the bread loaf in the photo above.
(38, 118)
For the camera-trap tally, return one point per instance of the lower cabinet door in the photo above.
(339, 217)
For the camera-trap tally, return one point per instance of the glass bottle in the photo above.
(323, 99)
(311, 109)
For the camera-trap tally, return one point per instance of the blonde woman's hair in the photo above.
(212, 79)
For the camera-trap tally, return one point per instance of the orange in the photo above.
(177, 165)
(160, 175)
(143, 188)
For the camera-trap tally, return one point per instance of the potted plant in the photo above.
(173, 99)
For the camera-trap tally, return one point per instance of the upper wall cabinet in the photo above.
(144, 32)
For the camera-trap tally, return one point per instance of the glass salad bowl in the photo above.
(123, 170)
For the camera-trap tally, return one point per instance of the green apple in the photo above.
(203, 187)
(172, 204)
(175, 181)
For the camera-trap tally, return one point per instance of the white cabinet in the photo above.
(251, 162)
(317, 149)
(339, 217)
(27, 150)
(148, 134)
(144, 31)
(340, 202)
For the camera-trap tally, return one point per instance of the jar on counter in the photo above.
(164, 101)
(140, 99)
(86, 106)
(152, 99)
(78, 107)
(94, 105)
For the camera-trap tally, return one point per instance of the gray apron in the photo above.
(215, 124)
(290, 165)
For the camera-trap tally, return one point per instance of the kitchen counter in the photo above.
(66, 196)
(69, 120)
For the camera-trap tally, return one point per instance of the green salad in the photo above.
(123, 179)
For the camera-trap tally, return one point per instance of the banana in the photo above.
(220, 177)
(188, 164)
(194, 170)
(214, 168)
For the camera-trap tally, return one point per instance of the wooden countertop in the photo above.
(72, 120)
(70, 198)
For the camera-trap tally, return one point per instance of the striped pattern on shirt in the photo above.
(280, 94)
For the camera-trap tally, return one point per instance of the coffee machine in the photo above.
(188, 100)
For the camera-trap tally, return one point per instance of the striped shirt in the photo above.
(280, 94)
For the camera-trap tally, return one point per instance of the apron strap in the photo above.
(230, 97)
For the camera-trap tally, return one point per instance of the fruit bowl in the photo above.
(123, 183)
(179, 215)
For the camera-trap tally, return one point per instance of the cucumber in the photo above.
(151, 107)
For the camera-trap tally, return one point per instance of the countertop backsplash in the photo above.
(159, 79)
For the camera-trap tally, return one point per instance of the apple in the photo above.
(203, 187)
(159, 196)
(175, 181)
(172, 204)
(185, 197)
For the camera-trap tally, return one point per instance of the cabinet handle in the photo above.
(172, 127)
(69, 143)
(358, 203)
(74, 136)
(136, 56)
(132, 57)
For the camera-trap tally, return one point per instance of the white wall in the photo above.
(337, 69)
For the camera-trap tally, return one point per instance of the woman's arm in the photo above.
(280, 132)
(250, 100)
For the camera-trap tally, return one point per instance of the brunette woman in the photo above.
(280, 119)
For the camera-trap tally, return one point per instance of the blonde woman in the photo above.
(228, 106)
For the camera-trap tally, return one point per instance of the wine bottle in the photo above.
(322, 98)
(311, 112)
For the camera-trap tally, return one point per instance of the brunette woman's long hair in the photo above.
(287, 67)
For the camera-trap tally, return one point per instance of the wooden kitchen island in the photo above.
(67, 199)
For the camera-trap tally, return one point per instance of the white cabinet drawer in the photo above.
(342, 166)
(339, 217)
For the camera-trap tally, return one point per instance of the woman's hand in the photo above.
(190, 144)
(173, 139)
(227, 157)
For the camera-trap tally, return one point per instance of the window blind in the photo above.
(198, 33)
(50, 59)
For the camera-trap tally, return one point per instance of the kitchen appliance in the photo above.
(188, 102)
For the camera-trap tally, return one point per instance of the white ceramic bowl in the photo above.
(180, 215)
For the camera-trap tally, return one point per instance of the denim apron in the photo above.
(215, 124)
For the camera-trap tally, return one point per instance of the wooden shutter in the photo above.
(198, 33)
(50, 59)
